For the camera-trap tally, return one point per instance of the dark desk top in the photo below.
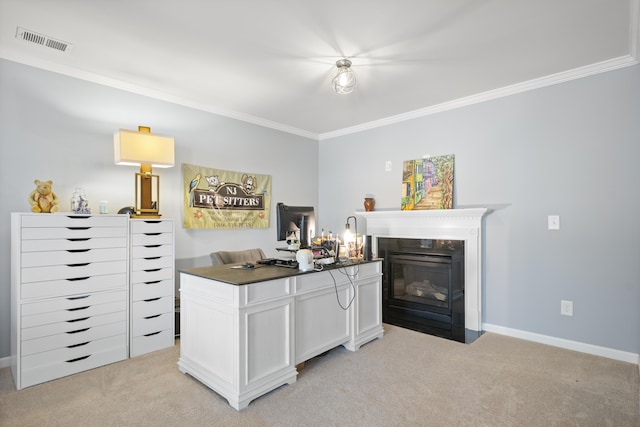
(232, 274)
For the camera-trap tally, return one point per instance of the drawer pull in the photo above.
(149, 258)
(152, 270)
(78, 278)
(148, 221)
(152, 246)
(74, 251)
(78, 331)
(78, 320)
(153, 282)
(84, 264)
(153, 317)
(78, 345)
(152, 299)
(76, 298)
(78, 308)
(77, 217)
(152, 234)
(77, 359)
(80, 239)
(78, 228)
(152, 334)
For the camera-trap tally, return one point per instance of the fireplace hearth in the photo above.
(461, 232)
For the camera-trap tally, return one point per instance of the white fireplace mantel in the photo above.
(445, 224)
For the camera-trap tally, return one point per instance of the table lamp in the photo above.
(144, 149)
(349, 237)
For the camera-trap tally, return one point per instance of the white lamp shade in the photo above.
(136, 148)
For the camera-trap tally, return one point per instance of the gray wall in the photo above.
(569, 149)
(572, 150)
(60, 128)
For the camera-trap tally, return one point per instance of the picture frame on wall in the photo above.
(427, 183)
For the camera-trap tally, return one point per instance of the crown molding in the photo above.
(553, 79)
(634, 42)
(601, 67)
(152, 93)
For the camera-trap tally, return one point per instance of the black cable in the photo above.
(335, 285)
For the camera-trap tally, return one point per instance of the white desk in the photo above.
(244, 331)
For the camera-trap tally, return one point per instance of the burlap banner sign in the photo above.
(215, 198)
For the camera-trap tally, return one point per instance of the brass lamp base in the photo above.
(146, 216)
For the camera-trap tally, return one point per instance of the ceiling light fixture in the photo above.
(345, 79)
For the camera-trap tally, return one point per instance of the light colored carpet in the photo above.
(404, 379)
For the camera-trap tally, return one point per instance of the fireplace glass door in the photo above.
(422, 280)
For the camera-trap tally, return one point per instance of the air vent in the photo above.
(42, 40)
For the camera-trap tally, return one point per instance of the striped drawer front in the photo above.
(72, 302)
(82, 285)
(73, 325)
(72, 352)
(325, 279)
(71, 338)
(151, 250)
(152, 324)
(72, 232)
(153, 306)
(150, 263)
(72, 271)
(147, 343)
(74, 314)
(75, 256)
(71, 220)
(151, 239)
(151, 226)
(151, 275)
(160, 288)
(37, 373)
(43, 245)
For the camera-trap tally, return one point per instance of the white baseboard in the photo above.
(610, 353)
(5, 362)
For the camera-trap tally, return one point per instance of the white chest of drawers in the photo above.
(69, 294)
(152, 285)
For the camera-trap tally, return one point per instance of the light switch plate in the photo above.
(554, 222)
(566, 308)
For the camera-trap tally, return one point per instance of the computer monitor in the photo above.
(296, 222)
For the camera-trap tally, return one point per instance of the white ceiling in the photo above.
(271, 61)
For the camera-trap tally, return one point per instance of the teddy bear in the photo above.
(43, 199)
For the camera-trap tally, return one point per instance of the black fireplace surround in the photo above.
(423, 285)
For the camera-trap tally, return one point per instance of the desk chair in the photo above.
(230, 257)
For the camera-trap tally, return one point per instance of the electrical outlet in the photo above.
(554, 222)
(387, 166)
(566, 308)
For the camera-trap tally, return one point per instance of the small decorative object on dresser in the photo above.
(79, 202)
(43, 199)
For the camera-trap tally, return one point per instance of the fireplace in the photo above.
(446, 243)
(423, 285)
